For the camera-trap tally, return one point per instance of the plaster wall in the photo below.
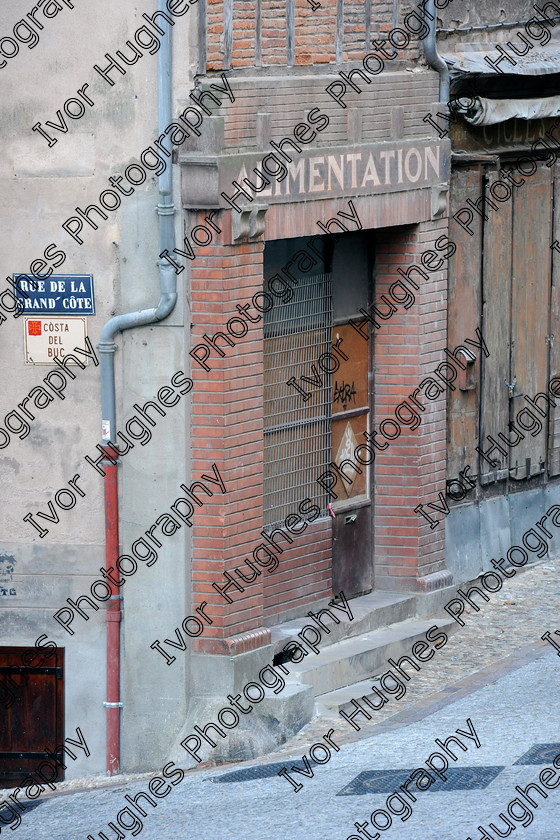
(40, 187)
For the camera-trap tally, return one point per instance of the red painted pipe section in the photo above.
(113, 617)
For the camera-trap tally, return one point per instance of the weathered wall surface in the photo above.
(40, 187)
(459, 13)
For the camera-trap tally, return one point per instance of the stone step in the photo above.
(351, 661)
(370, 612)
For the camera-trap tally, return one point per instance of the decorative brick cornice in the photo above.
(234, 645)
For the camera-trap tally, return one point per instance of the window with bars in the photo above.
(297, 434)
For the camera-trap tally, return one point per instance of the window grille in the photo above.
(297, 434)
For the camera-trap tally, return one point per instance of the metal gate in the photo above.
(297, 433)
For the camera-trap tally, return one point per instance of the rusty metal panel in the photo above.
(464, 304)
(554, 367)
(347, 434)
(531, 265)
(350, 381)
(496, 283)
(352, 567)
(350, 406)
(352, 570)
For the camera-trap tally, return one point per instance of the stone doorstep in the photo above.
(356, 659)
(370, 612)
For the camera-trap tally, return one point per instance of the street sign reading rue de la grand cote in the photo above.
(59, 294)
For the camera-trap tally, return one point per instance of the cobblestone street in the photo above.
(496, 672)
(526, 606)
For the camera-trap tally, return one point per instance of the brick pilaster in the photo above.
(408, 348)
(227, 429)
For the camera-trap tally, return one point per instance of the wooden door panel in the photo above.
(530, 299)
(464, 308)
(352, 564)
(554, 367)
(519, 312)
(33, 713)
(497, 264)
(352, 569)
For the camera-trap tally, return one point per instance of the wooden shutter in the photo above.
(554, 344)
(464, 309)
(530, 315)
(33, 710)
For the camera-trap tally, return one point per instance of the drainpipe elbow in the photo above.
(108, 332)
(166, 305)
(433, 58)
(168, 293)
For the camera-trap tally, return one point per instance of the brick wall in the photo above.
(354, 28)
(414, 49)
(407, 349)
(391, 106)
(215, 34)
(304, 574)
(244, 33)
(314, 32)
(227, 429)
(273, 33)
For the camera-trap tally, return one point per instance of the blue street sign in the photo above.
(59, 294)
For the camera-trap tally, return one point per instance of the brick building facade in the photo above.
(372, 532)
(354, 336)
(362, 191)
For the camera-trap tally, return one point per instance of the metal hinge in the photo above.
(511, 386)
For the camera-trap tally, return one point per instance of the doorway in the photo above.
(502, 277)
(352, 403)
(32, 711)
(317, 402)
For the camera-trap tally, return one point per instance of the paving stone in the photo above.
(513, 709)
(526, 606)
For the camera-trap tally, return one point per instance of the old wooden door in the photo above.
(32, 711)
(501, 279)
(352, 544)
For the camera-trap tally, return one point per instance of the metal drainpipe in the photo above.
(433, 58)
(107, 348)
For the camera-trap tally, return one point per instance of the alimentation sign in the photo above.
(318, 173)
(59, 294)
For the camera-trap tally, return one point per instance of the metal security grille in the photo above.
(297, 439)
(540, 754)
(387, 781)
